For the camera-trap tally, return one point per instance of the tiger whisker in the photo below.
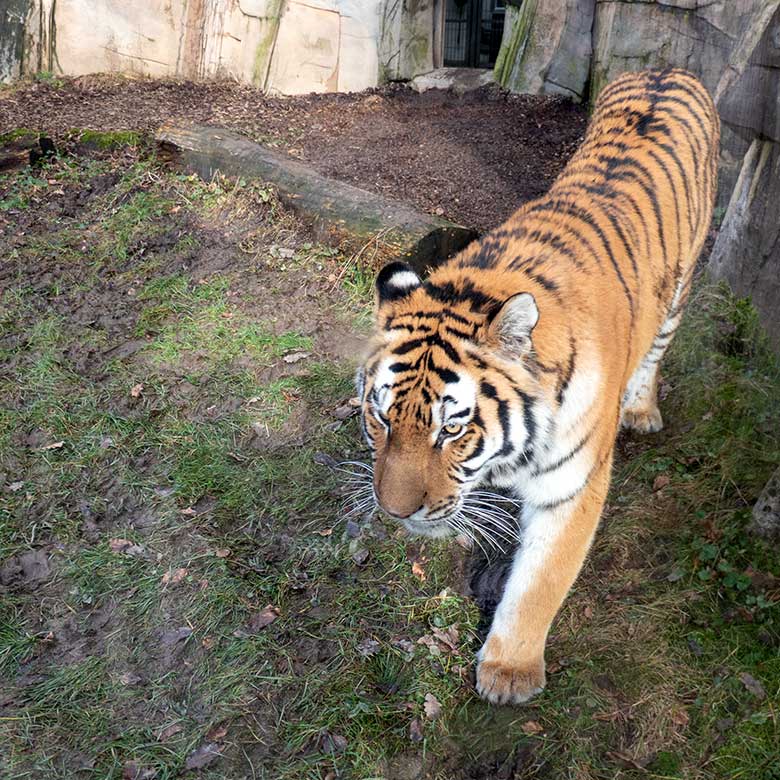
(502, 519)
(492, 508)
(490, 534)
(496, 529)
(495, 497)
(461, 524)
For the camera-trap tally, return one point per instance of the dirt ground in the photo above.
(182, 590)
(473, 159)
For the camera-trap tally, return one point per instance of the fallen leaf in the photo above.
(325, 532)
(176, 635)
(136, 390)
(174, 577)
(129, 678)
(333, 743)
(222, 552)
(752, 685)
(295, 357)
(125, 547)
(203, 756)
(448, 637)
(55, 445)
(169, 731)
(188, 512)
(360, 556)
(432, 707)
(588, 612)
(531, 727)
(208, 642)
(415, 730)
(418, 570)
(258, 621)
(131, 771)
(218, 733)
(680, 717)
(368, 647)
(661, 481)
(626, 760)
(344, 412)
(264, 618)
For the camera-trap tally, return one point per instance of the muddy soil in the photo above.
(473, 159)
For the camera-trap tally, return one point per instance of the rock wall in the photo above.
(12, 30)
(284, 46)
(734, 47)
(747, 250)
(546, 48)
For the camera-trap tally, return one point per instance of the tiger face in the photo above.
(448, 398)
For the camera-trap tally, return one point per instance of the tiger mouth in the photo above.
(434, 529)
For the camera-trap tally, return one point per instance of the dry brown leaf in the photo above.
(432, 707)
(136, 390)
(203, 756)
(753, 685)
(325, 532)
(661, 481)
(55, 445)
(169, 731)
(448, 637)
(531, 727)
(218, 733)
(125, 546)
(174, 577)
(417, 569)
(222, 552)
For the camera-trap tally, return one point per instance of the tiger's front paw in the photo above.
(502, 682)
(643, 420)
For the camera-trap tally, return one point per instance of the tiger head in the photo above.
(448, 396)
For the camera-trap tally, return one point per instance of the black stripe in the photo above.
(564, 459)
(588, 220)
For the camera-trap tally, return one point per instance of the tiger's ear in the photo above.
(395, 281)
(510, 327)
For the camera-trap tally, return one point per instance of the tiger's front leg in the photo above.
(556, 539)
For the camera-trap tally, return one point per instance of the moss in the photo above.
(15, 135)
(107, 140)
(513, 49)
(264, 49)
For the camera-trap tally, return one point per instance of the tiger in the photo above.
(518, 360)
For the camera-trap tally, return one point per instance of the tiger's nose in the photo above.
(397, 515)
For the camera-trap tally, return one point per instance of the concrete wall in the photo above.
(284, 46)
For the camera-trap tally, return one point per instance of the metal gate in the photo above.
(472, 32)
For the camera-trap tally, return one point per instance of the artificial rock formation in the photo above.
(546, 48)
(283, 46)
(747, 251)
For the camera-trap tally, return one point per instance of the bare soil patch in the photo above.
(473, 159)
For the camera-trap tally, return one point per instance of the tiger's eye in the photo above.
(452, 428)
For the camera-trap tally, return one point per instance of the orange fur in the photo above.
(541, 382)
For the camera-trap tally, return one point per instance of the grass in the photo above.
(198, 448)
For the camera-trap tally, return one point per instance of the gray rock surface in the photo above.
(766, 512)
(747, 250)
(546, 47)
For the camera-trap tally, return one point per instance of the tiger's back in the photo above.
(516, 362)
(609, 251)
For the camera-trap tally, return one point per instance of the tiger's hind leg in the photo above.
(640, 410)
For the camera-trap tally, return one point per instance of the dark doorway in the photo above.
(472, 32)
